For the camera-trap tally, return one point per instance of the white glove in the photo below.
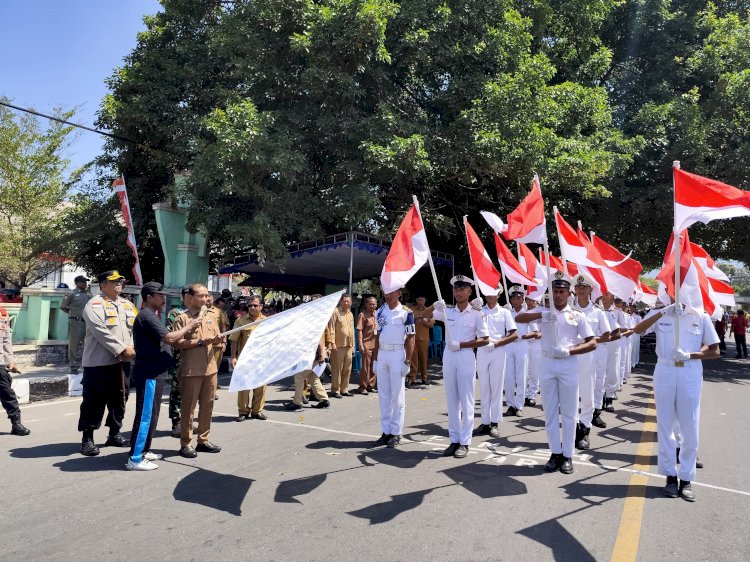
(375, 366)
(672, 310)
(679, 355)
(560, 352)
(477, 303)
(454, 345)
(439, 305)
(549, 316)
(405, 368)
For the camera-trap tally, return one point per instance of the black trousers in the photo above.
(106, 386)
(8, 395)
(722, 344)
(150, 391)
(741, 343)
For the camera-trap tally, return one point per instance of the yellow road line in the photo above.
(629, 532)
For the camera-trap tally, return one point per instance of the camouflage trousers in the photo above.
(174, 396)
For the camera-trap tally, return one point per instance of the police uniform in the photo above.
(73, 305)
(612, 378)
(592, 367)
(565, 328)
(535, 362)
(109, 330)
(491, 362)
(516, 362)
(395, 326)
(459, 367)
(677, 390)
(7, 394)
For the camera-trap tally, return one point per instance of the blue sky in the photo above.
(59, 52)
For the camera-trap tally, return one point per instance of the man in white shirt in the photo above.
(617, 326)
(625, 341)
(535, 356)
(516, 358)
(678, 378)
(565, 334)
(466, 329)
(491, 364)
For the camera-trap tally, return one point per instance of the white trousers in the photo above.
(391, 392)
(459, 368)
(635, 351)
(586, 381)
(623, 372)
(491, 373)
(677, 391)
(535, 362)
(559, 382)
(612, 379)
(600, 365)
(516, 365)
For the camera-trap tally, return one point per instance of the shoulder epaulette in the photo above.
(406, 308)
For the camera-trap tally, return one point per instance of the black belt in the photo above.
(75, 317)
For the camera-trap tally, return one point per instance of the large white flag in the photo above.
(283, 344)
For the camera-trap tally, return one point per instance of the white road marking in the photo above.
(50, 403)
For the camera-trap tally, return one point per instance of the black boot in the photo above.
(608, 407)
(597, 420)
(582, 442)
(17, 428)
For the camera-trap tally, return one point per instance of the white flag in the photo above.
(283, 345)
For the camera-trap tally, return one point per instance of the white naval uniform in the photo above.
(677, 390)
(535, 360)
(612, 380)
(592, 367)
(516, 365)
(625, 342)
(393, 327)
(635, 349)
(559, 378)
(491, 363)
(459, 368)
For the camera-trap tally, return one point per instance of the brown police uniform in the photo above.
(341, 333)
(419, 358)
(367, 325)
(198, 377)
(244, 405)
(73, 305)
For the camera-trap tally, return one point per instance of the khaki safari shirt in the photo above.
(242, 336)
(198, 361)
(423, 331)
(341, 329)
(109, 330)
(368, 329)
(74, 302)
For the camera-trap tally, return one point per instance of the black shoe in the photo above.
(373, 390)
(346, 393)
(241, 418)
(207, 447)
(597, 420)
(670, 490)
(494, 430)
(17, 428)
(323, 404)
(176, 429)
(425, 382)
(362, 391)
(88, 448)
(483, 429)
(259, 416)
(116, 440)
(461, 452)
(511, 411)
(529, 402)
(608, 407)
(312, 398)
(582, 436)
(553, 463)
(383, 440)
(188, 452)
(293, 407)
(336, 395)
(566, 467)
(686, 491)
(451, 450)
(393, 441)
(698, 462)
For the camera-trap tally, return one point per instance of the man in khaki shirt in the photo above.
(237, 340)
(198, 370)
(423, 325)
(367, 331)
(72, 305)
(341, 343)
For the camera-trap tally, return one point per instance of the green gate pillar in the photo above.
(185, 253)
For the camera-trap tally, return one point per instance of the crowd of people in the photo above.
(575, 352)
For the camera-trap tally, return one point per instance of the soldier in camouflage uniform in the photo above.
(174, 378)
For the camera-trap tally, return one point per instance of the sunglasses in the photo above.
(253, 305)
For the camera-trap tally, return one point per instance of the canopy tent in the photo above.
(310, 266)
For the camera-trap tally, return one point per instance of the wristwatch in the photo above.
(201, 342)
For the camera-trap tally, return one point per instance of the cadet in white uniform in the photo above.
(516, 358)
(624, 370)
(617, 325)
(491, 364)
(678, 378)
(466, 329)
(591, 366)
(565, 333)
(535, 356)
(635, 346)
(394, 345)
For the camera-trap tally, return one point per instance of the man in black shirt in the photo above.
(152, 341)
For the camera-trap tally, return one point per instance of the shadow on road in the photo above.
(223, 492)
(559, 540)
(46, 451)
(99, 463)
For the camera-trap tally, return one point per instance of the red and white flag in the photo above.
(573, 248)
(556, 264)
(488, 278)
(699, 199)
(409, 252)
(534, 269)
(510, 267)
(119, 186)
(720, 290)
(645, 294)
(622, 273)
(694, 286)
(707, 264)
(526, 223)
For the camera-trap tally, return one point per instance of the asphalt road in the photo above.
(308, 486)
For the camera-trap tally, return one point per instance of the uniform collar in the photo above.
(566, 309)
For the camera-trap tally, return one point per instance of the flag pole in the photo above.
(559, 237)
(545, 245)
(676, 252)
(471, 260)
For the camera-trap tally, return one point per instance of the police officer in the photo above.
(394, 346)
(107, 353)
(72, 305)
(516, 358)
(174, 378)
(678, 378)
(466, 330)
(422, 339)
(491, 364)
(7, 366)
(592, 367)
(565, 333)
(535, 356)
(617, 326)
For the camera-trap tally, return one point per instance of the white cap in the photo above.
(582, 279)
(560, 280)
(462, 279)
(516, 290)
